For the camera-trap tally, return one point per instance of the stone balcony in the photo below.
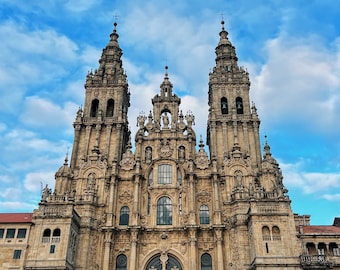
(315, 262)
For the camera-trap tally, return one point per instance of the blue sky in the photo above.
(291, 49)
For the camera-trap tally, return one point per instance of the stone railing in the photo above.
(309, 260)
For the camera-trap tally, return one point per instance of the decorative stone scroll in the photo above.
(125, 197)
(165, 149)
(128, 161)
(204, 196)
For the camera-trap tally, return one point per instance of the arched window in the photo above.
(124, 215)
(311, 250)
(56, 232)
(206, 262)
(321, 249)
(171, 263)
(334, 249)
(164, 174)
(121, 262)
(46, 236)
(56, 236)
(266, 233)
(94, 108)
(204, 214)
(276, 233)
(224, 105)
(164, 211)
(239, 105)
(109, 108)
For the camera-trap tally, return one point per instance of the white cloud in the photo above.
(74, 90)
(90, 55)
(332, 197)
(80, 5)
(299, 82)
(35, 180)
(12, 193)
(6, 179)
(30, 58)
(167, 39)
(14, 206)
(40, 112)
(309, 182)
(26, 150)
(3, 127)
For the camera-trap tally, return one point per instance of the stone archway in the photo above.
(164, 262)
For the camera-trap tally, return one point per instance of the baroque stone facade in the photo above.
(166, 204)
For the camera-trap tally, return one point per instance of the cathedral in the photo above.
(163, 198)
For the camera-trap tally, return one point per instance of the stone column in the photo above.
(217, 210)
(110, 214)
(108, 138)
(193, 248)
(107, 249)
(136, 200)
(218, 234)
(87, 136)
(213, 144)
(192, 215)
(225, 135)
(133, 256)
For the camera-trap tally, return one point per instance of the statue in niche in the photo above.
(165, 119)
(91, 181)
(238, 178)
(148, 153)
(181, 152)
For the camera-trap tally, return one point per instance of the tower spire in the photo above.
(230, 112)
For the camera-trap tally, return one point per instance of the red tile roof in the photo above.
(15, 217)
(321, 229)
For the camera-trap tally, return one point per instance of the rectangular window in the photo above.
(2, 232)
(52, 249)
(10, 233)
(21, 233)
(164, 174)
(336, 251)
(17, 254)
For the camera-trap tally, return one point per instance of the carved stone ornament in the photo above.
(128, 161)
(165, 149)
(98, 161)
(204, 196)
(202, 161)
(125, 197)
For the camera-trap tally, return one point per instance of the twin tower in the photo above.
(166, 203)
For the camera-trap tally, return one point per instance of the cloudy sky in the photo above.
(291, 49)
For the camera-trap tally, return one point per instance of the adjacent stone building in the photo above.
(157, 199)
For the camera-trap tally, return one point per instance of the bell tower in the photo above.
(233, 124)
(102, 127)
